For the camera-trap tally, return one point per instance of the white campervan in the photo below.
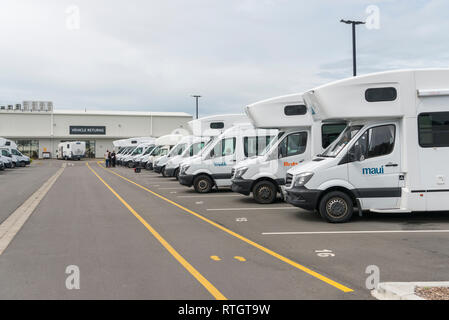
(126, 146)
(298, 140)
(129, 160)
(392, 157)
(17, 158)
(204, 132)
(214, 166)
(163, 146)
(72, 150)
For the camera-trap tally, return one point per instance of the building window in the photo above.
(29, 148)
(433, 129)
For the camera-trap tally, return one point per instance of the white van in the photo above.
(299, 139)
(204, 131)
(126, 146)
(393, 155)
(71, 150)
(15, 155)
(214, 166)
(129, 160)
(163, 146)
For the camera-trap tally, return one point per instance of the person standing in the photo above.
(113, 158)
(109, 158)
(106, 158)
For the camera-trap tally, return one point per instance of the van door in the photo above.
(374, 167)
(291, 151)
(222, 159)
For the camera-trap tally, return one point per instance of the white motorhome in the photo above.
(71, 150)
(129, 160)
(17, 158)
(204, 131)
(298, 140)
(125, 147)
(163, 146)
(391, 158)
(214, 166)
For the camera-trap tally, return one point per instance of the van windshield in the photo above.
(345, 137)
(272, 143)
(148, 151)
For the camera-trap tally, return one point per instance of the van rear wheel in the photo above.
(203, 184)
(177, 174)
(336, 207)
(265, 192)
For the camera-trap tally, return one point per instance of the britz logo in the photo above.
(373, 170)
(290, 164)
(220, 164)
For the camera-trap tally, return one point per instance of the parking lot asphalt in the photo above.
(18, 184)
(142, 236)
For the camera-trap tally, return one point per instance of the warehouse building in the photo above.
(39, 130)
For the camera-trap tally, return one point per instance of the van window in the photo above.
(330, 132)
(293, 144)
(254, 146)
(217, 125)
(433, 129)
(68, 146)
(196, 148)
(295, 110)
(381, 94)
(375, 142)
(225, 147)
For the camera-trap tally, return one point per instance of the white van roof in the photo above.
(247, 129)
(280, 112)
(216, 124)
(169, 139)
(7, 143)
(390, 94)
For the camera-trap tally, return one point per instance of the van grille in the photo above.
(288, 180)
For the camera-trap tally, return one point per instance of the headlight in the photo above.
(240, 172)
(302, 179)
(184, 169)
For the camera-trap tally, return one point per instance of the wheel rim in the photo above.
(203, 185)
(265, 193)
(336, 207)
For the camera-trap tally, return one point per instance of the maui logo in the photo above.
(371, 171)
(290, 164)
(219, 164)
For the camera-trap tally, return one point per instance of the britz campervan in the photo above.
(130, 160)
(125, 147)
(391, 158)
(164, 145)
(204, 131)
(71, 150)
(298, 140)
(214, 167)
(17, 158)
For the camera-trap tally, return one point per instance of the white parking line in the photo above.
(356, 232)
(258, 208)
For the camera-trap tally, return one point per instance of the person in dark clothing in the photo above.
(113, 157)
(109, 158)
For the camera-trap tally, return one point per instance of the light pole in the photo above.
(196, 98)
(354, 58)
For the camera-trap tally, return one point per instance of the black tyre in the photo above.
(164, 174)
(176, 174)
(149, 166)
(336, 207)
(203, 184)
(130, 164)
(22, 164)
(265, 192)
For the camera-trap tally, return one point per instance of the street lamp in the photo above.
(354, 61)
(196, 98)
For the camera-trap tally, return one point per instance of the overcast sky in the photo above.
(152, 55)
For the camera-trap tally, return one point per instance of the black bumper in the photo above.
(242, 186)
(158, 169)
(186, 180)
(303, 198)
(170, 172)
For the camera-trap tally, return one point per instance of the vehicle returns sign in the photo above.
(87, 130)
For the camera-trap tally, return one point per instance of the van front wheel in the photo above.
(203, 184)
(265, 192)
(336, 207)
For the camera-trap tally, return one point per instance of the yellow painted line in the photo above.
(195, 273)
(240, 258)
(215, 258)
(244, 239)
